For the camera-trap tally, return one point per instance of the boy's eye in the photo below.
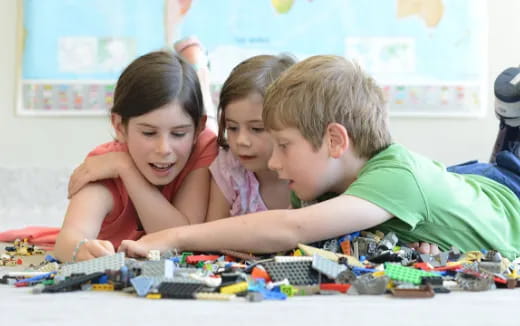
(258, 130)
(282, 146)
(148, 133)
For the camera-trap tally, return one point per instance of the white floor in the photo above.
(20, 307)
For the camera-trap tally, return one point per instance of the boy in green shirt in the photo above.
(330, 127)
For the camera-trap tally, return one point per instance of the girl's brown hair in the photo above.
(251, 76)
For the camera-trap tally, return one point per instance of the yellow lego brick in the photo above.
(153, 296)
(102, 287)
(234, 288)
(378, 273)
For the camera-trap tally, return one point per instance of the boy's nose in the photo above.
(273, 163)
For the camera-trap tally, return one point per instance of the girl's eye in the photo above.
(230, 128)
(258, 130)
(282, 146)
(178, 134)
(148, 133)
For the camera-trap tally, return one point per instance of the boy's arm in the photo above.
(218, 206)
(85, 214)
(268, 231)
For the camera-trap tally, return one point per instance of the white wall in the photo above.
(63, 142)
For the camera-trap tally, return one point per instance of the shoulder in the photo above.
(113, 146)
(206, 140)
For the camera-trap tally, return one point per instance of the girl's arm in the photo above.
(85, 214)
(268, 231)
(155, 212)
(218, 206)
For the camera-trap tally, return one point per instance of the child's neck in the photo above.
(274, 192)
(352, 165)
(267, 177)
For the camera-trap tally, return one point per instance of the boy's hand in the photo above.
(425, 248)
(141, 247)
(94, 249)
(96, 168)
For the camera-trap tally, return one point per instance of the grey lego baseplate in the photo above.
(327, 266)
(101, 264)
(157, 268)
(298, 273)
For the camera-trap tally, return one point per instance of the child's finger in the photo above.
(108, 246)
(132, 248)
(413, 245)
(424, 248)
(434, 249)
(96, 249)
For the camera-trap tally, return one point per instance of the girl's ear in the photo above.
(119, 127)
(338, 140)
(202, 126)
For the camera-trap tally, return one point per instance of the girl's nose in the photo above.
(163, 147)
(243, 139)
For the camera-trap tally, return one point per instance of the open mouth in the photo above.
(161, 166)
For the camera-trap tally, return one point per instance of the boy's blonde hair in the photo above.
(326, 89)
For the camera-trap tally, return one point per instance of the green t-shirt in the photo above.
(429, 204)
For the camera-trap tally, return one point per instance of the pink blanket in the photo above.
(41, 236)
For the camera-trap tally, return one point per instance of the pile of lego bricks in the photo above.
(389, 269)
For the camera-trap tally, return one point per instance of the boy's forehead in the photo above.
(285, 133)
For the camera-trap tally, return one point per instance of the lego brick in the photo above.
(72, 284)
(178, 290)
(114, 262)
(326, 266)
(158, 268)
(286, 259)
(424, 291)
(405, 274)
(298, 273)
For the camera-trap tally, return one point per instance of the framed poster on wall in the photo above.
(429, 57)
(73, 51)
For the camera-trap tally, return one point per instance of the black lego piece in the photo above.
(177, 290)
(72, 283)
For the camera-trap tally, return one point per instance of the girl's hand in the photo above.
(94, 249)
(99, 167)
(141, 247)
(425, 248)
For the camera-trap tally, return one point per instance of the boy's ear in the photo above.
(338, 140)
(202, 126)
(117, 124)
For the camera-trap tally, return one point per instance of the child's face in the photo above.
(245, 132)
(160, 142)
(295, 160)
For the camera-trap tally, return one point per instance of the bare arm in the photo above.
(268, 231)
(83, 220)
(218, 206)
(155, 212)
